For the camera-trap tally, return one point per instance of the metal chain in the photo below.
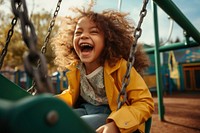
(122, 97)
(32, 89)
(52, 23)
(9, 36)
(39, 74)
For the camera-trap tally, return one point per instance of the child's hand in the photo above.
(108, 128)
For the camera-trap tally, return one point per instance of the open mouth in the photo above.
(86, 47)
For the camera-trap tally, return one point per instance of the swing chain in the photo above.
(122, 97)
(9, 36)
(52, 23)
(32, 89)
(30, 38)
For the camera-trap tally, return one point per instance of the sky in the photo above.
(190, 8)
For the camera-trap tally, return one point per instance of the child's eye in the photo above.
(78, 33)
(94, 31)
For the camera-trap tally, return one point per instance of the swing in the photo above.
(42, 113)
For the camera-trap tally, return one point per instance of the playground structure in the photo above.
(26, 102)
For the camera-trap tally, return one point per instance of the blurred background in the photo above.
(174, 73)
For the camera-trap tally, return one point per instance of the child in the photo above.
(94, 47)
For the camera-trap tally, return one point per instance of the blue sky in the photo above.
(190, 8)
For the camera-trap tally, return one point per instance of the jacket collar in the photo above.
(110, 69)
(107, 68)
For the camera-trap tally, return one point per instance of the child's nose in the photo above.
(84, 36)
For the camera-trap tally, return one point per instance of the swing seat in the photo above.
(21, 112)
(40, 114)
(11, 91)
(148, 125)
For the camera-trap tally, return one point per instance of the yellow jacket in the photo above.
(129, 117)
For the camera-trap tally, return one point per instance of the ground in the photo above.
(182, 113)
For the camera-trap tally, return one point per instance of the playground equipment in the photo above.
(20, 112)
(190, 31)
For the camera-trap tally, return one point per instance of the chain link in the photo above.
(52, 23)
(39, 74)
(9, 36)
(122, 97)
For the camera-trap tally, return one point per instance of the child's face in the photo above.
(88, 41)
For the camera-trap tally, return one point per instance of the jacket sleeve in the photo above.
(70, 95)
(140, 107)
(66, 96)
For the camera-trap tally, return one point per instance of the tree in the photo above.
(17, 48)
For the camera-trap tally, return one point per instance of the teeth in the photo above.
(84, 44)
(86, 47)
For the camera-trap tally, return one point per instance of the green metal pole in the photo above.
(173, 11)
(157, 65)
(174, 46)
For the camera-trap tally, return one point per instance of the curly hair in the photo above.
(118, 31)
